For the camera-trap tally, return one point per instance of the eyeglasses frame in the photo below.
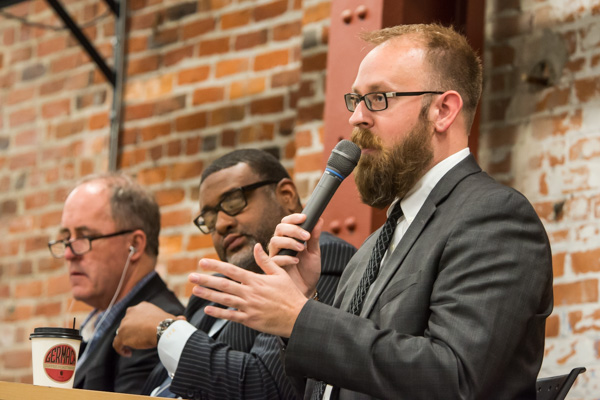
(69, 242)
(243, 190)
(386, 96)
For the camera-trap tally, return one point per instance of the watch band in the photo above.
(162, 327)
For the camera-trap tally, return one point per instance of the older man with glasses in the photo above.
(109, 239)
(243, 196)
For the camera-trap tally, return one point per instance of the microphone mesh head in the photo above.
(344, 157)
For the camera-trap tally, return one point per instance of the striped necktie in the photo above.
(381, 246)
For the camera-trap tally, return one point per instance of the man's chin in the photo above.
(243, 257)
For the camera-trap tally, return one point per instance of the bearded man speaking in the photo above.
(448, 300)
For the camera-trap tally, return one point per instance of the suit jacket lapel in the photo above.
(443, 188)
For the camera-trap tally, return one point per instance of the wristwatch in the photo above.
(162, 327)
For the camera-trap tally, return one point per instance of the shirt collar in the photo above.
(414, 199)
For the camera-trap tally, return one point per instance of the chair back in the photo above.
(557, 387)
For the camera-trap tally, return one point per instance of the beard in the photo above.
(389, 173)
(260, 231)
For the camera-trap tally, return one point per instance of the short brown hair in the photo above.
(454, 64)
(131, 206)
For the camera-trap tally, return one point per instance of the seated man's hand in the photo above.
(138, 328)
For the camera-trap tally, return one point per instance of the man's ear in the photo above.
(445, 109)
(139, 243)
(287, 195)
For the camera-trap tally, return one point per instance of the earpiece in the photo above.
(132, 250)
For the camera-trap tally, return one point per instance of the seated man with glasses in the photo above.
(109, 239)
(243, 196)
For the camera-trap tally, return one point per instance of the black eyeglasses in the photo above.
(79, 246)
(377, 101)
(232, 203)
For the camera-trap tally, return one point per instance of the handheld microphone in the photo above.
(340, 164)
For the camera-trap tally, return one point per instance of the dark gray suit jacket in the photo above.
(106, 370)
(241, 363)
(458, 310)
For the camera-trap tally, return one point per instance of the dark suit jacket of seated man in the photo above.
(243, 196)
(109, 239)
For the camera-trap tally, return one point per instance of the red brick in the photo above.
(79, 80)
(52, 309)
(257, 133)
(174, 148)
(99, 121)
(309, 162)
(22, 116)
(28, 289)
(553, 98)
(67, 62)
(287, 31)
(587, 89)
(133, 157)
(193, 75)
(142, 65)
(267, 106)
(15, 359)
(552, 326)
(176, 218)
(182, 266)
(170, 244)
(52, 45)
(579, 292)
(235, 19)
(152, 176)
(152, 132)
(23, 160)
(143, 21)
(214, 46)
(271, 60)
(190, 122)
(52, 86)
(198, 28)
(138, 111)
(39, 199)
(316, 13)
(19, 313)
(285, 78)
(227, 115)
(50, 219)
(230, 67)
(186, 170)
(252, 39)
(193, 145)
(58, 285)
(22, 54)
(586, 261)
(161, 37)
(177, 55)
(169, 105)
(199, 242)
(20, 95)
(270, 10)
(247, 87)
(315, 63)
(56, 108)
(26, 138)
(208, 95)
(36, 243)
(167, 197)
(310, 113)
(137, 44)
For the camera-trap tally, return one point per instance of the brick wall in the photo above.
(203, 77)
(208, 76)
(542, 136)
